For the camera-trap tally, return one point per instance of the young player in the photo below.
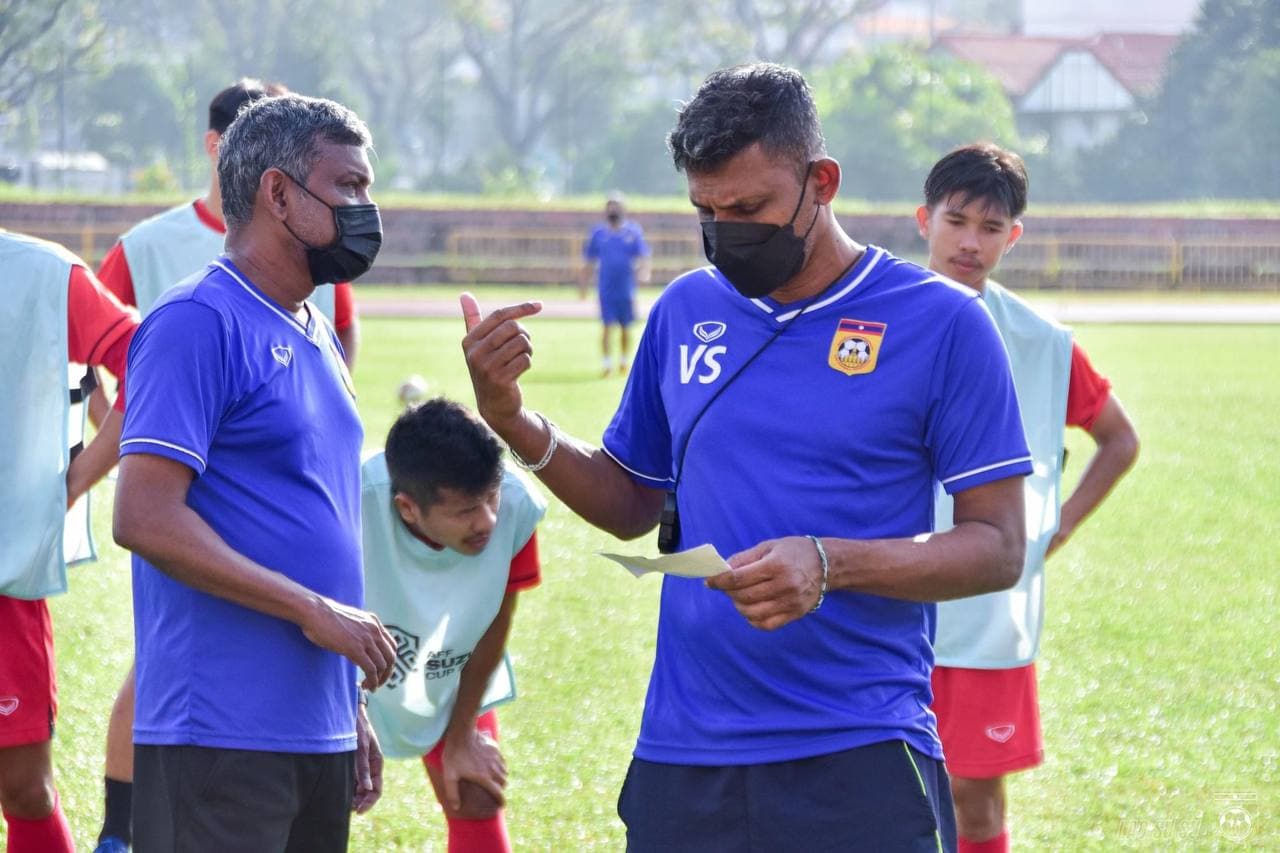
(449, 543)
(984, 682)
(58, 313)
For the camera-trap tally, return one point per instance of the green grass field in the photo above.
(1159, 670)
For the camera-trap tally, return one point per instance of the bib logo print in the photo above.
(406, 655)
(8, 704)
(282, 354)
(855, 347)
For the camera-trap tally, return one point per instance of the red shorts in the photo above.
(988, 719)
(28, 689)
(486, 722)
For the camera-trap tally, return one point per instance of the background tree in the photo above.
(889, 114)
(402, 72)
(539, 63)
(1211, 130)
(42, 43)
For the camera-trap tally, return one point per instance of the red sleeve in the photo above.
(526, 571)
(344, 306)
(99, 328)
(1088, 391)
(114, 273)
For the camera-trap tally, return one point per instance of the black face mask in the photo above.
(349, 256)
(757, 257)
(614, 218)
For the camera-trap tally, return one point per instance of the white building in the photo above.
(1084, 18)
(1074, 91)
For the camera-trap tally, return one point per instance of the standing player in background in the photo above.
(617, 254)
(161, 251)
(449, 542)
(58, 312)
(150, 258)
(985, 680)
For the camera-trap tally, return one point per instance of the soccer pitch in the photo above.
(1159, 673)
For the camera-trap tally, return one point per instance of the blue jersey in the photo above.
(223, 380)
(892, 379)
(616, 250)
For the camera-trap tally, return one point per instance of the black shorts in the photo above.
(189, 799)
(881, 797)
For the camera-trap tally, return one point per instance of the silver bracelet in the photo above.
(554, 432)
(822, 555)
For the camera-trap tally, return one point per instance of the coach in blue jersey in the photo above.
(798, 398)
(239, 494)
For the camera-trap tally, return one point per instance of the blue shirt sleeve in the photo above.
(641, 247)
(639, 436)
(591, 249)
(178, 384)
(974, 429)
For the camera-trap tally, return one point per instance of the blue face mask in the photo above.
(351, 254)
(757, 257)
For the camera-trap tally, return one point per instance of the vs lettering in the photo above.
(702, 356)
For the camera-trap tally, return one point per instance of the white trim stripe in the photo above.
(986, 468)
(292, 321)
(167, 444)
(624, 467)
(844, 291)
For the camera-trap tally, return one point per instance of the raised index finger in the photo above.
(477, 328)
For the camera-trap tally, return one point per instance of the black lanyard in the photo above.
(669, 521)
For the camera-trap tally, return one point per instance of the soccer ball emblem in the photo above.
(853, 351)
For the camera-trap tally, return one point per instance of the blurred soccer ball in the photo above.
(413, 390)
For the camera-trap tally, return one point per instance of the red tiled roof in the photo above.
(1137, 60)
(1018, 62)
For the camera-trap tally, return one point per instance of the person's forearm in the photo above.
(98, 457)
(1108, 464)
(972, 558)
(586, 479)
(1116, 451)
(982, 553)
(174, 539)
(485, 658)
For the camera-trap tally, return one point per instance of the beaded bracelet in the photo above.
(822, 555)
(551, 447)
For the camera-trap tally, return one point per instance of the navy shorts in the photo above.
(885, 796)
(617, 308)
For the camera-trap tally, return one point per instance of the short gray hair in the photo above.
(279, 133)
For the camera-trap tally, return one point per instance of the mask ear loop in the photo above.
(816, 205)
(804, 188)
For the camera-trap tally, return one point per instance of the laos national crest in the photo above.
(856, 346)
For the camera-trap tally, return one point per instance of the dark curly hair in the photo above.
(442, 445)
(737, 107)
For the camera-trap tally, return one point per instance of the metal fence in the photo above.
(1087, 262)
(479, 255)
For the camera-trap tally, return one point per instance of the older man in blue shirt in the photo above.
(239, 495)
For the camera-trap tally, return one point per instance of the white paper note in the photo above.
(701, 562)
